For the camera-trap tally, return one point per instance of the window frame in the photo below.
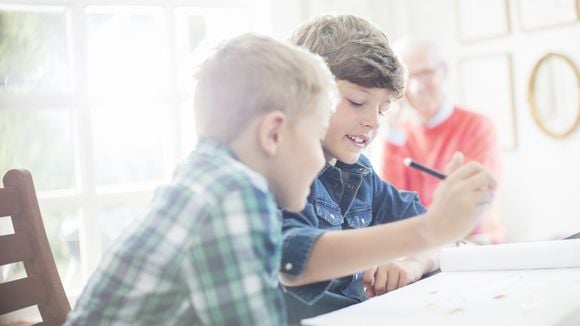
(87, 197)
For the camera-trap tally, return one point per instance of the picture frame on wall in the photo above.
(485, 85)
(539, 14)
(478, 20)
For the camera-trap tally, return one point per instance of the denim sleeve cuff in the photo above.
(298, 244)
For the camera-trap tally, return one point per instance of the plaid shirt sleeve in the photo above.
(207, 253)
(235, 259)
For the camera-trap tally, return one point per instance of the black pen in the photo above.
(410, 163)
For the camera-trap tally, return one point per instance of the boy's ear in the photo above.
(270, 131)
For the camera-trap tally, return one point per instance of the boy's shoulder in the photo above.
(212, 167)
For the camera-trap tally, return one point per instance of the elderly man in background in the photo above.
(433, 129)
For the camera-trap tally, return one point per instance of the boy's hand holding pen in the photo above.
(459, 201)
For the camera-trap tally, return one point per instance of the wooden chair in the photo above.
(29, 245)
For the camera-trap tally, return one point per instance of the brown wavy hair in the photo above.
(354, 50)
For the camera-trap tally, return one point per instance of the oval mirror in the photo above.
(554, 95)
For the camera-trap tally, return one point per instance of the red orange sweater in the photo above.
(468, 132)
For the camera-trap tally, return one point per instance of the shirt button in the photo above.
(288, 266)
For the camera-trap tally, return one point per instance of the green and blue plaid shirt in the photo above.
(208, 252)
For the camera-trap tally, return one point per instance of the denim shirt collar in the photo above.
(357, 168)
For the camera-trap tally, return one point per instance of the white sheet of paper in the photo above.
(538, 284)
(525, 255)
(543, 297)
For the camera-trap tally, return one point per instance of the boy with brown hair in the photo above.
(208, 251)
(354, 223)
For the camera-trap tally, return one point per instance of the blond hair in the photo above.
(355, 51)
(251, 75)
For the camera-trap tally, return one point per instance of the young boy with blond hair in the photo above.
(354, 223)
(208, 251)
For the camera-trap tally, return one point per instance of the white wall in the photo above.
(541, 177)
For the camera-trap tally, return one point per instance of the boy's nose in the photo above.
(372, 119)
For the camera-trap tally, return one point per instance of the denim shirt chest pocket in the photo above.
(328, 214)
(359, 217)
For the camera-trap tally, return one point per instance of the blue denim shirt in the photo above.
(342, 197)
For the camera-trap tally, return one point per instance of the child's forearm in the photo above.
(341, 253)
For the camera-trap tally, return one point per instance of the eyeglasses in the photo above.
(426, 73)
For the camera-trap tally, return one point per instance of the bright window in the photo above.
(95, 100)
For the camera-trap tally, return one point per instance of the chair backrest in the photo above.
(29, 245)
